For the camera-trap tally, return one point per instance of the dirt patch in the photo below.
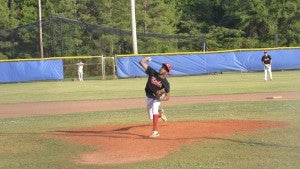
(66, 107)
(130, 143)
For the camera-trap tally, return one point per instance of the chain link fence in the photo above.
(95, 67)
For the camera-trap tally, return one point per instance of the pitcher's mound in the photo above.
(131, 143)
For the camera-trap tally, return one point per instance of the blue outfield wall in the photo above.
(31, 71)
(193, 64)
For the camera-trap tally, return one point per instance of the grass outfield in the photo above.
(24, 144)
(132, 88)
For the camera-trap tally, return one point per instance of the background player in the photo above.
(157, 89)
(80, 70)
(267, 62)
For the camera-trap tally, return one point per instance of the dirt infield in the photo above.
(46, 108)
(130, 143)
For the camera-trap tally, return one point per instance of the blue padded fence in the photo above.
(31, 71)
(193, 64)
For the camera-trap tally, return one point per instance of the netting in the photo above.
(66, 37)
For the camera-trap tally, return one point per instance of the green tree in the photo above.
(288, 22)
(159, 16)
(212, 19)
(4, 24)
(89, 27)
(4, 14)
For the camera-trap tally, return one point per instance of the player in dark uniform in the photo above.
(267, 62)
(157, 89)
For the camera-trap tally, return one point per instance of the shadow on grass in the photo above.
(115, 133)
(124, 132)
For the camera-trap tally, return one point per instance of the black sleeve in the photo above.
(167, 86)
(150, 71)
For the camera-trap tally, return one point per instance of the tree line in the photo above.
(103, 27)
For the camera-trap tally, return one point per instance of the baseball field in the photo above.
(230, 120)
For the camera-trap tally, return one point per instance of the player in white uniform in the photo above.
(157, 89)
(80, 71)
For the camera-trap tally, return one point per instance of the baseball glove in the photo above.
(267, 66)
(160, 93)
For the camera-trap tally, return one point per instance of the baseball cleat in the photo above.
(154, 134)
(162, 114)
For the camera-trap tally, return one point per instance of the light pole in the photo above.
(133, 25)
(40, 29)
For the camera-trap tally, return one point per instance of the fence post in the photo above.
(103, 67)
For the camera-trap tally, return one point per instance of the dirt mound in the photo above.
(130, 143)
